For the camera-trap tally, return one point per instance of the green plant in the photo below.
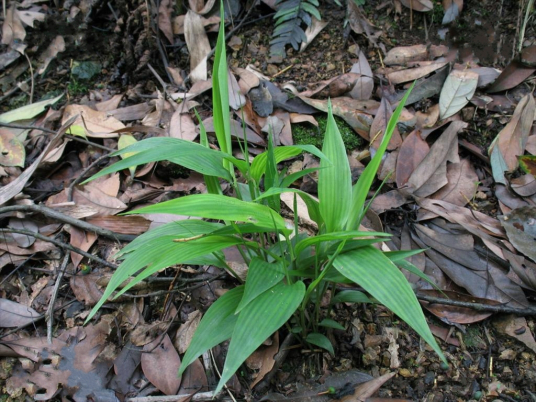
(306, 133)
(290, 16)
(289, 271)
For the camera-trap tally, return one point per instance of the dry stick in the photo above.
(53, 214)
(50, 310)
(61, 244)
(479, 306)
(200, 396)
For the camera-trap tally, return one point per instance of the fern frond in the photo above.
(290, 18)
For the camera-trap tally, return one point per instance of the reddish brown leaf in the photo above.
(459, 315)
(160, 363)
(513, 75)
(379, 126)
(411, 153)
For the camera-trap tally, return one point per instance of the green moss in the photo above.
(308, 134)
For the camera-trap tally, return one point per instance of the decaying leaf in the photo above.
(452, 8)
(513, 75)
(12, 149)
(379, 127)
(511, 141)
(458, 89)
(160, 363)
(364, 85)
(14, 314)
(411, 153)
(520, 226)
(418, 5)
(198, 46)
(91, 122)
(528, 163)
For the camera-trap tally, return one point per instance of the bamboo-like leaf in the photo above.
(168, 253)
(351, 296)
(213, 206)
(336, 236)
(320, 340)
(372, 270)
(212, 182)
(216, 326)
(186, 153)
(334, 179)
(220, 94)
(258, 166)
(362, 187)
(178, 230)
(329, 323)
(312, 204)
(257, 321)
(262, 276)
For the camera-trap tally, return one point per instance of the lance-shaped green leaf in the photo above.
(216, 326)
(257, 321)
(371, 269)
(214, 206)
(220, 94)
(262, 276)
(167, 253)
(334, 179)
(320, 340)
(185, 153)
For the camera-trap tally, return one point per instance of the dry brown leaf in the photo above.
(364, 85)
(81, 239)
(312, 31)
(91, 122)
(334, 87)
(198, 46)
(23, 241)
(14, 314)
(160, 363)
(429, 118)
(55, 47)
(517, 328)
(164, 19)
(125, 224)
(13, 152)
(402, 55)
(12, 28)
(412, 74)
(265, 357)
(418, 5)
(285, 135)
(182, 126)
(431, 174)
(237, 100)
(186, 331)
(411, 153)
(212, 23)
(302, 118)
(110, 104)
(513, 75)
(361, 25)
(462, 184)
(367, 389)
(236, 131)
(379, 126)
(513, 137)
(200, 7)
(247, 81)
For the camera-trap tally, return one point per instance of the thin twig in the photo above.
(61, 244)
(531, 310)
(50, 310)
(201, 396)
(58, 216)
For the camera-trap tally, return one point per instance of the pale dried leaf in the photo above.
(160, 363)
(458, 89)
(312, 31)
(14, 314)
(198, 46)
(55, 47)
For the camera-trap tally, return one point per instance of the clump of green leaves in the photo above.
(289, 272)
(308, 134)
